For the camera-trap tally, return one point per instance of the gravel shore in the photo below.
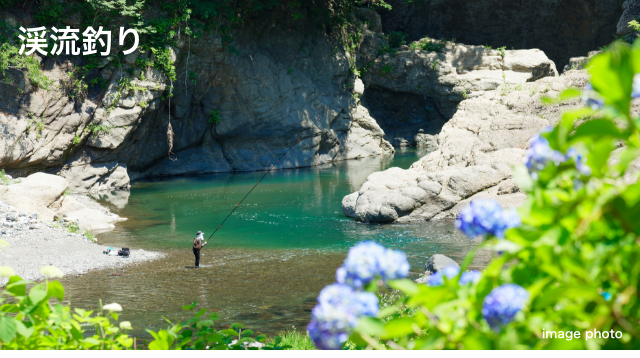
(34, 244)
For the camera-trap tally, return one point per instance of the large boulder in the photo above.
(477, 149)
(437, 262)
(459, 72)
(94, 220)
(631, 12)
(34, 194)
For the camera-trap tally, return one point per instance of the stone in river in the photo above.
(438, 262)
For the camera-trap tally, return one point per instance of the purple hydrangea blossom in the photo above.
(337, 312)
(501, 305)
(368, 260)
(539, 153)
(582, 167)
(469, 276)
(486, 217)
(592, 98)
(437, 278)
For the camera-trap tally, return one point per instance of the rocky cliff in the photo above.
(327, 95)
(561, 28)
(476, 151)
(229, 112)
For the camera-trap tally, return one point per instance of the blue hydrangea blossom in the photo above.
(501, 305)
(592, 98)
(338, 309)
(486, 217)
(539, 153)
(367, 260)
(437, 278)
(635, 91)
(582, 167)
(469, 276)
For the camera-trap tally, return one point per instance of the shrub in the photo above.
(572, 264)
(432, 45)
(215, 117)
(396, 39)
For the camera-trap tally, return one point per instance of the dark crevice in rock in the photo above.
(402, 115)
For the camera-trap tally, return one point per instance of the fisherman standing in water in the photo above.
(197, 245)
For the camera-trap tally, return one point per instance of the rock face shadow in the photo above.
(401, 115)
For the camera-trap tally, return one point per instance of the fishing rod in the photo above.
(265, 174)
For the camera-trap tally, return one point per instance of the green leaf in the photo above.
(24, 331)
(190, 307)
(159, 346)
(569, 93)
(229, 332)
(405, 285)
(204, 323)
(597, 129)
(237, 326)
(17, 286)
(612, 76)
(8, 329)
(92, 341)
(55, 289)
(399, 327)
(506, 246)
(246, 332)
(632, 195)
(370, 326)
(37, 294)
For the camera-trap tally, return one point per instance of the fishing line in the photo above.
(265, 174)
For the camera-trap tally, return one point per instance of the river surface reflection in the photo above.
(268, 262)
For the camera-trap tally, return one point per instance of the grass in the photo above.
(297, 340)
(4, 180)
(89, 235)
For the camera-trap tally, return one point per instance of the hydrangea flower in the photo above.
(501, 305)
(469, 276)
(635, 91)
(592, 98)
(337, 312)
(583, 168)
(367, 260)
(539, 154)
(125, 325)
(6, 271)
(486, 217)
(437, 278)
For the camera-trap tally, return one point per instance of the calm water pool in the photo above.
(266, 264)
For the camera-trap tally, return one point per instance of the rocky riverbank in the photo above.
(46, 227)
(475, 153)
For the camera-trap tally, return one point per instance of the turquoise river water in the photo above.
(267, 263)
